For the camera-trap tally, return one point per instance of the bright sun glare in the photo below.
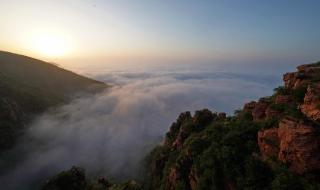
(50, 45)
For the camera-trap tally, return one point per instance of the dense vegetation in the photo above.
(220, 155)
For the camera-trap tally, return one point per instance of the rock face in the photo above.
(193, 179)
(172, 179)
(259, 111)
(296, 143)
(311, 105)
(306, 72)
(268, 142)
(249, 106)
(271, 113)
(283, 99)
(299, 145)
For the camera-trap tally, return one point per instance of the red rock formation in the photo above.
(172, 179)
(259, 111)
(306, 72)
(296, 143)
(309, 70)
(193, 179)
(289, 80)
(268, 142)
(311, 105)
(299, 145)
(272, 113)
(249, 106)
(178, 143)
(283, 99)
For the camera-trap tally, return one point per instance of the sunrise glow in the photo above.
(50, 45)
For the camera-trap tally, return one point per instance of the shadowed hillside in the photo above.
(29, 86)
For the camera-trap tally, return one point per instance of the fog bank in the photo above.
(110, 133)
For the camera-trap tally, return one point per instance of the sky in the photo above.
(96, 31)
(161, 58)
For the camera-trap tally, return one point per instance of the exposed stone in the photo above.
(259, 111)
(172, 179)
(283, 99)
(289, 80)
(299, 145)
(178, 143)
(309, 70)
(193, 179)
(249, 106)
(311, 105)
(272, 113)
(268, 142)
(303, 76)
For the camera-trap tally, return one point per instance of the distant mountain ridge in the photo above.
(30, 86)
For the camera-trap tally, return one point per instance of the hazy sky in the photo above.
(63, 30)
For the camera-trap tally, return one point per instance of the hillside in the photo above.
(273, 143)
(29, 86)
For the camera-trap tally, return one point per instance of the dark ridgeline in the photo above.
(29, 86)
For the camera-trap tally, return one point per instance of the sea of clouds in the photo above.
(111, 133)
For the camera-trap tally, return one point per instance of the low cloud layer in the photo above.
(111, 132)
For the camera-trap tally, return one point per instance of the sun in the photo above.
(50, 45)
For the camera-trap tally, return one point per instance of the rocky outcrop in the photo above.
(178, 143)
(272, 113)
(295, 142)
(311, 104)
(172, 179)
(193, 179)
(259, 110)
(283, 99)
(249, 106)
(268, 142)
(299, 145)
(304, 74)
(178, 173)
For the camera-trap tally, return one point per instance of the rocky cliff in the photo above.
(272, 143)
